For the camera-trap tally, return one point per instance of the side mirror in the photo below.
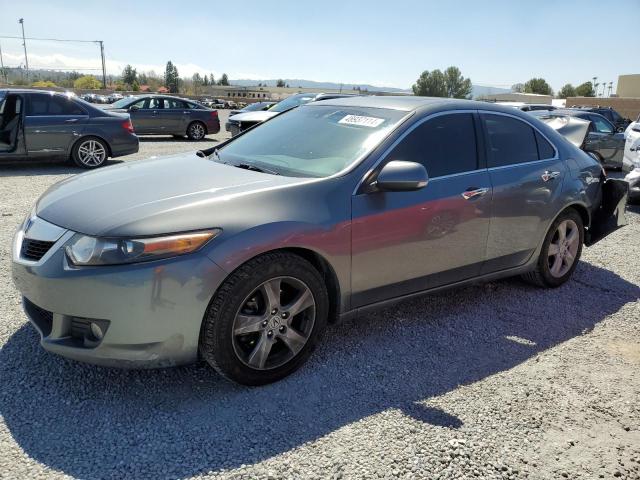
(401, 176)
(620, 129)
(134, 108)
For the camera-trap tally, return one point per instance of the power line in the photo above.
(51, 39)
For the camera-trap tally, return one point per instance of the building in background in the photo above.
(628, 86)
(517, 97)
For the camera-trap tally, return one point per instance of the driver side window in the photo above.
(601, 125)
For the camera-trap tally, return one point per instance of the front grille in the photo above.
(35, 249)
(41, 317)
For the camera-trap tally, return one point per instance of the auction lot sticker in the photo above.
(362, 121)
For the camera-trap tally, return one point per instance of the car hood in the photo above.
(253, 116)
(573, 129)
(150, 197)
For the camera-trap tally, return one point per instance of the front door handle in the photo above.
(470, 193)
(71, 120)
(547, 175)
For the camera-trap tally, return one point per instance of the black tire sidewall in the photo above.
(76, 158)
(216, 338)
(543, 262)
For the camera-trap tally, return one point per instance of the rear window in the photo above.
(45, 105)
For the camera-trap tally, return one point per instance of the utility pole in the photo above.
(2, 70)
(24, 44)
(104, 70)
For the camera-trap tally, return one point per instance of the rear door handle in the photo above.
(547, 175)
(71, 120)
(187, 113)
(470, 193)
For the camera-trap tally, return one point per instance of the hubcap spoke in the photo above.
(562, 231)
(248, 324)
(293, 340)
(554, 249)
(271, 292)
(300, 304)
(258, 357)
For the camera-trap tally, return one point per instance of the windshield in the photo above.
(123, 103)
(255, 106)
(292, 102)
(313, 141)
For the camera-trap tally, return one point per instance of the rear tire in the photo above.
(265, 320)
(196, 131)
(90, 152)
(560, 251)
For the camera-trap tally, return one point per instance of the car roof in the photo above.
(410, 103)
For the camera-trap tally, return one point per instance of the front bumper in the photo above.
(150, 313)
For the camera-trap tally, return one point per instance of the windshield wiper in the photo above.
(254, 168)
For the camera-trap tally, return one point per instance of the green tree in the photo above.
(205, 80)
(280, 83)
(517, 88)
(129, 75)
(171, 78)
(43, 83)
(585, 90)
(567, 91)
(457, 85)
(212, 79)
(539, 86)
(87, 82)
(196, 79)
(224, 80)
(430, 84)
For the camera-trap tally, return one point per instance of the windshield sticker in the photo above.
(362, 121)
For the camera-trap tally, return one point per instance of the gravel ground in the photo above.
(498, 380)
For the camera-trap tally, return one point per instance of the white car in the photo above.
(631, 160)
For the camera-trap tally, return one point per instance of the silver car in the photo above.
(241, 254)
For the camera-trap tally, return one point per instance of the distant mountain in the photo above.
(481, 90)
(478, 90)
(294, 83)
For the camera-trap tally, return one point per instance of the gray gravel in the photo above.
(498, 380)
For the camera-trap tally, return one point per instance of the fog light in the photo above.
(96, 331)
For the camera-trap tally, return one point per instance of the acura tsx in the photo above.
(241, 254)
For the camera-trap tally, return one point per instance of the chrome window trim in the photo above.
(384, 154)
(555, 149)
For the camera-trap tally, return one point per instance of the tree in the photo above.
(280, 83)
(567, 91)
(212, 79)
(457, 85)
(87, 82)
(205, 80)
(585, 90)
(539, 86)
(43, 83)
(129, 75)
(197, 82)
(430, 84)
(224, 80)
(517, 88)
(171, 78)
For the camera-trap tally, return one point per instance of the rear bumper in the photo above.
(124, 145)
(610, 215)
(213, 126)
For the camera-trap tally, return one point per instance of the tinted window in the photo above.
(601, 125)
(545, 149)
(444, 145)
(63, 106)
(174, 104)
(606, 113)
(509, 141)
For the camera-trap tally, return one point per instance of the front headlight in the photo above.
(85, 250)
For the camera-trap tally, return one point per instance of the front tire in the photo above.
(90, 153)
(265, 320)
(196, 131)
(560, 251)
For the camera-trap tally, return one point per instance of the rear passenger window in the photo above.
(43, 104)
(545, 149)
(509, 141)
(444, 145)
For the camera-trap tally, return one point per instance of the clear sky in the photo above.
(496, 43)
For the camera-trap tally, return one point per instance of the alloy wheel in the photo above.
(91, 153)
(274, 323)
(563, 248)
(196, 131)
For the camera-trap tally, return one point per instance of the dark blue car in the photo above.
(43, 125)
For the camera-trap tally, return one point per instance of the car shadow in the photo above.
(93, 422)
(185, 139)
(30, 168)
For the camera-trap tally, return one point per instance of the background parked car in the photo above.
(610, 114)
(601, 140)
(527, 107)
(166, 115)
(253, 107)
(114, 97)
(46, 125)
(632, 158)
(241, 122)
